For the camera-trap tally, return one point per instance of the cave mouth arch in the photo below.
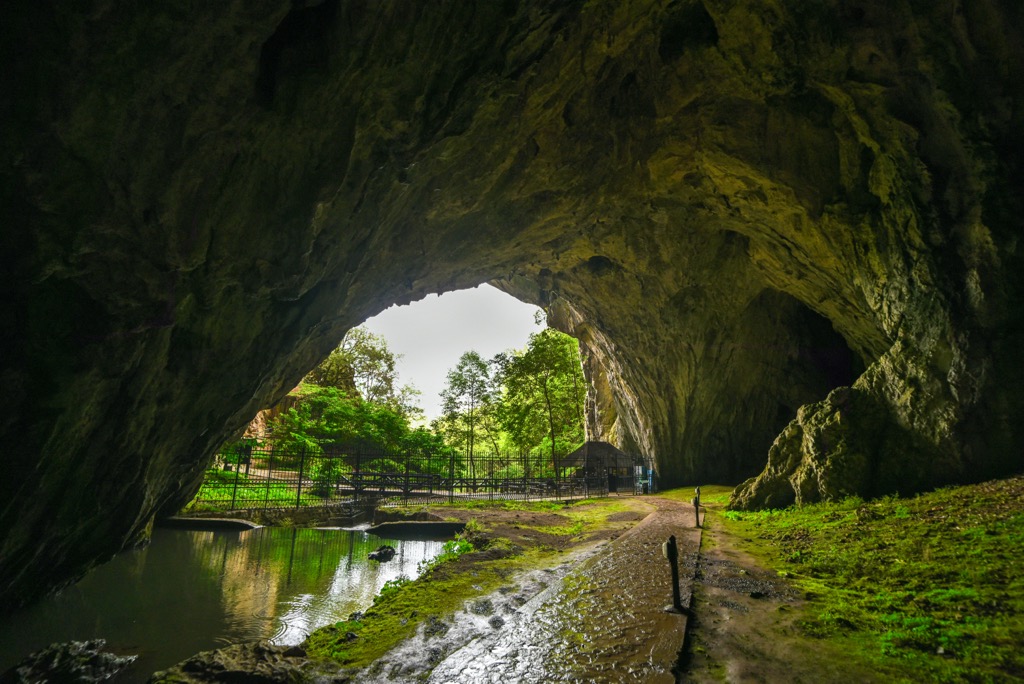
(184, 249)
(431, 334)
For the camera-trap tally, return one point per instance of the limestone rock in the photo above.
(72, 662)
(257, 662)
(737, 207)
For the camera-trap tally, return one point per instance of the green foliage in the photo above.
(329, 417)
(929, 583)
(542, 394)
(466, 398)
(390, 588)
(363, 366)
(326, 474)
(220, 488)
(451, 551)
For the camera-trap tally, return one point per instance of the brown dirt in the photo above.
(526, 528)
(744, 625)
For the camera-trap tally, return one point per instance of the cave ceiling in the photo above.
(784, 232)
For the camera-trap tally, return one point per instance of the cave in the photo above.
(761, 221)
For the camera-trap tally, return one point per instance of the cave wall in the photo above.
(198, 201)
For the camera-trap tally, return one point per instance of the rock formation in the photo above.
(737, 206)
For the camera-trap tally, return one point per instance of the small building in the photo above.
(604, 462)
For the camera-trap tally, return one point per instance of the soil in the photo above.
(526, 528)
(745, 619)
(600, 615)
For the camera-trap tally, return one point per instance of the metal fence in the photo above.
(251, 477)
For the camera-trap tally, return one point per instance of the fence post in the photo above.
(696, 507)
(270, 470)
(406, 488)
(302, 467)
(671, 552)
(558, 482)
(357, 476)
(234, 490)
(586, 472)
(451, 477)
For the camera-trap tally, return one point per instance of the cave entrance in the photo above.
(504, 408)
(428, 336)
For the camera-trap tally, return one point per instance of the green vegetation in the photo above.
(464, 570)
(329, 417)
(221, 489)
(541, 409)
(347, 419)
(930, 586)
(528, 401)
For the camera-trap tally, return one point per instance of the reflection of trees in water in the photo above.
(307, 577)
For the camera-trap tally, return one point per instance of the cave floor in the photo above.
(744, 624)
(604, 621)
(600, 614)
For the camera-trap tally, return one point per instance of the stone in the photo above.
(253, 662)
(736, 208)
(72, 662)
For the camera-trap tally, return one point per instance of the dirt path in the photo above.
(744, 624)
(599, 617)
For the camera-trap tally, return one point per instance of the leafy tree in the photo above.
(542, 393)
(363, 364)
(466, 395)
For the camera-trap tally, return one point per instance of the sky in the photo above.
(431, 335)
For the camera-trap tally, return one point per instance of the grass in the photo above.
(931, 586)
(221, 488)
(403, 605)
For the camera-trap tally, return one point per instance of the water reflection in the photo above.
(190, 591)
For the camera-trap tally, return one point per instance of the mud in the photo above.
(597, 617)
(744, 624)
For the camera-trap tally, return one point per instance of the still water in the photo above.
(190, 591)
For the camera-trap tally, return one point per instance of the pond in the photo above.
(190, 591)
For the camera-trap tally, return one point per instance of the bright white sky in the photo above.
(431, 335)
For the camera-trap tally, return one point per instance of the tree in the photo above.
(467, 392)
(327, 416)
(363, 364)
(542, 393)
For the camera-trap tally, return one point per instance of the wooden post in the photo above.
(671, 552)
(451, 477)
(696, 507)
(234, 490)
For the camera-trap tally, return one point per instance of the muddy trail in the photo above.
(598, 617)
(601, 616)
(744, 623)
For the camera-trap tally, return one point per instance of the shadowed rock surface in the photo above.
(736, 207)
(73, 662)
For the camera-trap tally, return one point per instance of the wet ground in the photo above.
(745, 623)
(598, 617)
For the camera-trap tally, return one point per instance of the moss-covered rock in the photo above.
(737, 207)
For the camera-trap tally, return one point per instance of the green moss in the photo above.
(397, 615)
(448, 584)
(926, 585)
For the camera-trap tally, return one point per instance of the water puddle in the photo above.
(529, 631)
(190, 591)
